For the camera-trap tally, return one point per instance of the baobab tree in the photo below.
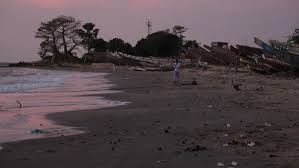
(60, 37)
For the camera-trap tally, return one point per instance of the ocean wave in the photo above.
(20, 80)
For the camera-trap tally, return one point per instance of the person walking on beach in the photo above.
(177, 67)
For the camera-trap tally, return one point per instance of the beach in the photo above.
(206, 125)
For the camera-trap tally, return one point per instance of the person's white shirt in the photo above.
(177, 67)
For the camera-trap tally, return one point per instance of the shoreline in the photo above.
(70, 91)
(169, 126)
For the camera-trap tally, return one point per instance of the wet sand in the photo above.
(169, 126)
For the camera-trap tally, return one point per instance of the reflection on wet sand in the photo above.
(23, 114)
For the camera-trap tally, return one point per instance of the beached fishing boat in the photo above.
(284, 51)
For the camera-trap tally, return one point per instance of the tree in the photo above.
(116, 45)
(160, 44)
(128, 49)
(141, 48)
(60, 37)
(50, 44)
(45, 50)
(89, 34)
(179, 30)
(295, 37)
(119, 45)
(190, 44)
(100, 45)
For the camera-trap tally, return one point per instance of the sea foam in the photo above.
(28, 95)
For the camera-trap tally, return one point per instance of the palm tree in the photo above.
(88, 34)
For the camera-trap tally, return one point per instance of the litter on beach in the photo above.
(268, 125)
(225, 145)
(161, 161)
(234, 163)
(220, 164)
(38, 131)
(251, 144)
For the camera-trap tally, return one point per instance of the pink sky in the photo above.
(236, 21)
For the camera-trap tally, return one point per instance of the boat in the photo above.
(284, 51)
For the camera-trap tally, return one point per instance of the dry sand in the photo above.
(169, 126)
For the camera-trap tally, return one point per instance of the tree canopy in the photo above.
(59, 37)
(190, 44)
(161, 43)
(295, 37)
(89, 34)
(179, 31)
(116, 45)
(100, 45)
(119, 45)
(62, 36)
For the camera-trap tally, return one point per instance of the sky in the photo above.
(234, 21)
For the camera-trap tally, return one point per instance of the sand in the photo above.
(205, 125)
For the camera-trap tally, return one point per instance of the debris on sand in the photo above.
(268, 124)
(234, 163)
(272, 156)
(161, 161)
(236, 86)
(50, 151)
(220, 164)
(156, 122)
(260, 89)
(228, 125)
(242, 136)
(194, 82)
(225, 145)
(159, 148)
(38, 131)
(137, 69)
(195, 148)
(251, 144)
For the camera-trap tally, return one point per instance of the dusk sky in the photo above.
(235, 21)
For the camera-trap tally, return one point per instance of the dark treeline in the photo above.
(63, 36)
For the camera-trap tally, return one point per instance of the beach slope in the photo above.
(192, 126)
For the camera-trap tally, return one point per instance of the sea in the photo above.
(27, 96)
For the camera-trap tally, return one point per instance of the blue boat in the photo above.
(284, 51)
